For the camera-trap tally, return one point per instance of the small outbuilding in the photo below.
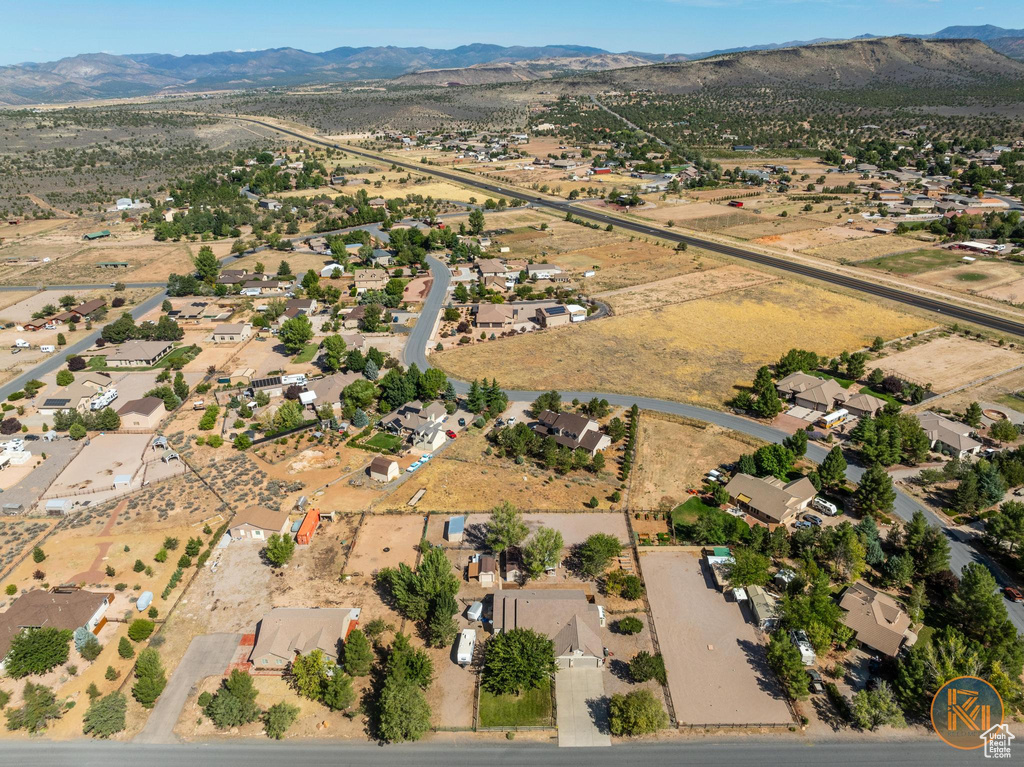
(454, 529)
(383, 469)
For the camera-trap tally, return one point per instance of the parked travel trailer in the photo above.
(467, 645)
(103, 400)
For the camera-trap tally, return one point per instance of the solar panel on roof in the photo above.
(56, 402)
(556, 310)
(261, 383)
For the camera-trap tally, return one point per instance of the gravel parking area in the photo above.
(717, 670)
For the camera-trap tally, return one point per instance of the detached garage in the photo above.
(258, 523)
(145, 413)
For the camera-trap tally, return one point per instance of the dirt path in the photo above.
(96, 571)
(46, 206)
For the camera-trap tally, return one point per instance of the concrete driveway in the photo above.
(207, 655)
(582, 708)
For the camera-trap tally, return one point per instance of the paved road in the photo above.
(419, 336)
(945, 308)
(207, 655)
(786, 751)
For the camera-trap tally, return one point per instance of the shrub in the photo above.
(112, 673)
(160, 556)
(65, 378)
(139, 566)
(278, 719)
(125, 649)
(204, 700)
(39, 706)
(36, 651)
(630, 625)
(38, 555)
(140, 629)
(91, 649)
(636, 713)
(150, 678)
(106, 716)
(645, 666)
(11, 589)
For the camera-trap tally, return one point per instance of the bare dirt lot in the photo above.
(464, 478)
(574, 527)
(808, 239)
(673, 455)
(864, 248)
(696, 351)
(949, 362)
(386, 540)
(717, 670)
(686, 287)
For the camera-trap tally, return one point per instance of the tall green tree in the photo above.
(150, 679)
(505, 528)
(206, 265)
(543, 550)
(875, 493)
(517, 660)
(833, 469)
(358, 656)
(105, 716)
(295, 333)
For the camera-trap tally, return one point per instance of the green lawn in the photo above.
(972, 277)
(529, 709)
(384, 441)
(307, 354)
(1011, 401)
(99, 362)
(914, 262)
(686, 513)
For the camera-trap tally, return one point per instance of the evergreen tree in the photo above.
(875, 494)
(475, 401)
(358, 654)
(150, 678)
(972, 415)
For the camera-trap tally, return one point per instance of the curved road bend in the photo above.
(785, 751)
(961, 553)
(945, 308)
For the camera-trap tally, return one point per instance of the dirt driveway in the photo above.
(717, 670)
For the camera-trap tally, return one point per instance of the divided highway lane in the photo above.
(945, 308)
(784, 751)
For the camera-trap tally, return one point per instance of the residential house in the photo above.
(572, 431)
(566, 616)
(770, 500)
(948, 436)
(370, 279)
(258, 523)
(414, 415)
(354, 318)
(286, 632)
(383, 469)
(877, 619)
(811, 392)
(77, 396)
(271, 205)
(862, 403)
(235, 276)
(264, 287)
(329, 389)
(491, 267)
(230, 333)
(495, 316)
(145, 413)
(542, 271)
(84, 310)
(553, 316)
(429, 437)
(195, 310)
(302, 305)
(377, 202)
(137, 354)
(65, 607)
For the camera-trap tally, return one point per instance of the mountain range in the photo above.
(102, 75)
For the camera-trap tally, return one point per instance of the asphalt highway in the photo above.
(784, 751)
(945, 308)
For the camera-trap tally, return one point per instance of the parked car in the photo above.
(825, 507)
(450, 434)
(510, 420)
(462, 422)
(802, 525)
(816, 684)
(814, 519)
(1013, 594)
(414, 466)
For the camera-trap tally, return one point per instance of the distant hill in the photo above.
(850, 64)
(1008, 46)
(520, 71)
(107, 76)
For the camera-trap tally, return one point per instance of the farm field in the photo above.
(915, 262)
(674, 455)
(949, 362)
(679, 352)
(464, 478)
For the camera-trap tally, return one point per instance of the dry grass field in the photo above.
(767, 227)
(673, 454)
(464, 478)
(693, 352)
(864, 248)
(621, 263)
(808, 239)
(686, 287)
(949, 362)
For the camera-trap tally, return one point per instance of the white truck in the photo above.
(467, 645)
(21, 343)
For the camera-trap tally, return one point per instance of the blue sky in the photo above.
(51, 29)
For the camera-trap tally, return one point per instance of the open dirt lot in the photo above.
(400, 534)
(949, 362)
(864, 248)
(807, 239)
(696, 351)
(464, 478)
(620, 263)
(682, 211)
(574, 527)
(766, 227)
(107, 455)
(673, 455)
(686, 287)
(717, 670)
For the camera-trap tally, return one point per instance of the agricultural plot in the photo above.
(697, 351)
(766, 227)
(915, 262)
(686, 287)
(949, 362)
(620, 263)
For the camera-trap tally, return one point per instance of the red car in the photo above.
(1013, 594)
(450, 434)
